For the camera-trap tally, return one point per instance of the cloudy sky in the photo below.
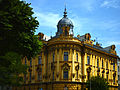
(100, 18)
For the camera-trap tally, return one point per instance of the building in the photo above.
(118, 61)
(66, 62)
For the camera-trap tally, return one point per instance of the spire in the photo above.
(65, 12)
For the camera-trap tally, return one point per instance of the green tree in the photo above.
(17, 39)
(97, 83)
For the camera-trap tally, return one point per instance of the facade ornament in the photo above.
(89, 69)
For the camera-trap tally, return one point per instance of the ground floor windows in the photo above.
(65, 74)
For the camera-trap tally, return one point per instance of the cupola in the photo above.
(65, 26)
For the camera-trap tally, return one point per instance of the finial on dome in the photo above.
(65, 12)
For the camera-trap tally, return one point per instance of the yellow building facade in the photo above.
(66, 62)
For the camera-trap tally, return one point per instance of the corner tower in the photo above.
(65, 26)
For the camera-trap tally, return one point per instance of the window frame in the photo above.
(66, 56)
(64, 74)
(88, 60)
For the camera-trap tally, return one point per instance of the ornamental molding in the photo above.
(65, 66)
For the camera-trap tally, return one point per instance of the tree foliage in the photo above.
(17, 39)
(97, 83)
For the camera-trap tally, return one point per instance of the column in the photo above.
(57, 73)
(84, 65)
(73, 66)
(80, 66)
(60, 59)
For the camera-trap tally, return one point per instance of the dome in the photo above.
(65, 25)
(65, 21)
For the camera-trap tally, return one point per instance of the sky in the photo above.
(100, 18)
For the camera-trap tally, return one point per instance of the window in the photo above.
(77, 74)
(53, 56)
(102, 64)
(31, 62)
(65, 56)
(38, 75)
(30, 76)
(77, 56)
(88, 75)
(114, 79)
(106, 64)
(65, 73)
(102, 75)
(118, 77)
(118, 68)
(114, 66)
(88, 60)
(107, 76)
(39, 60)
(53, 75)
(97, 62)
(65, 88)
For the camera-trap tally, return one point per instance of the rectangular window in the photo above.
(118, 68)
(88, 75)
(102, 75)
(106, 64)
(65, 73)
(114, 66)
(38, 75)
(39, 60)
(107, 76)
(65, 56)
(31, 62)
(77, 74)
(114, 79)
(77, 56)
(97, 62)
(102, 64)
(118, 77)
(88, 60)
(53, 56)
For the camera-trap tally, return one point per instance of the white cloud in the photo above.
(114, 42)
(47, 19)
(111, 4)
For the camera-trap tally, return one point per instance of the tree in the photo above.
(97, 83)
(17, 39)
